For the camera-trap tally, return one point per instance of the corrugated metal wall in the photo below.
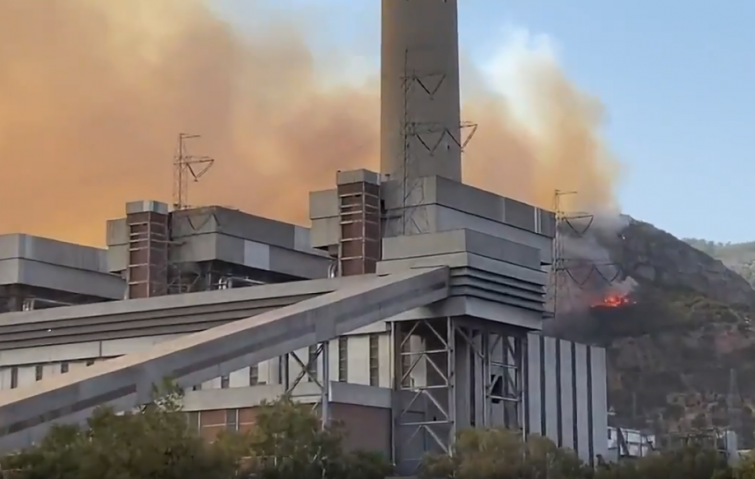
(566, 398)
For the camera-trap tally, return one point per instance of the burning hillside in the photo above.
(613, 300)
(674, 321)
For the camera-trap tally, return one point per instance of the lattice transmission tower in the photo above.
(187, 167)
(569, 270)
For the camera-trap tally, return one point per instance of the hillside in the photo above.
(682, 339)
(738, 256)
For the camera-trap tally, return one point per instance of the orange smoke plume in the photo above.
(94, 93)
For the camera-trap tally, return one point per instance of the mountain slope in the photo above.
(674, 349)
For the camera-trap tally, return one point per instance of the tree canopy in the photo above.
(155, 442)
(288, 442)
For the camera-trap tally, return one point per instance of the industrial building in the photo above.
(412, 306)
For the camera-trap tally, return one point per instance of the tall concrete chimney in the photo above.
(419, 109)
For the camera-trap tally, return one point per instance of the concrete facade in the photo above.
(419, 90)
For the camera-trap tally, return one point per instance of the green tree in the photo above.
(503, 454)
(691, 462)
(151, 443)
(288, 442)
(745, 468)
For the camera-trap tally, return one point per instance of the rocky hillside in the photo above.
(683, 342)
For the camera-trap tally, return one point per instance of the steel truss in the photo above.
(308, 369)
(451, 374)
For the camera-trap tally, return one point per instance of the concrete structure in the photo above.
(420, 122)
(37, 273)
(473, 359)
(567, 395)
(629, 443)
(561, 380)
(435, 327)
(125, 382)
(469, 356)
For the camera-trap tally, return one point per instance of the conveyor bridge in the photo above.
(126, 382)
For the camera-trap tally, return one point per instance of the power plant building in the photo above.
(503, 372)
(411, 307)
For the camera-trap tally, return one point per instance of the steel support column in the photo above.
(316, 369)
(451, 374)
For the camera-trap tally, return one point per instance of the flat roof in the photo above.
(57, 265)
(45, 250)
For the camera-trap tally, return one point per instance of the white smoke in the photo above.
(586, 271)
(504, 73)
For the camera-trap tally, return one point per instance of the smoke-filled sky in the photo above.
(94, 93)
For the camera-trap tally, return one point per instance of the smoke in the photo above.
(94, 93)
(539, 132)
(587, 273)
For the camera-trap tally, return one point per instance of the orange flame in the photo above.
(613, 300)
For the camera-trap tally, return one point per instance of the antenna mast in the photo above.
(186, 166)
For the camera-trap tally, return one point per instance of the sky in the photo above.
(677, 80)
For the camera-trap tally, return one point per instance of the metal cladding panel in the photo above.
(230, 222)
(583, 412)
(599, 401)
(116, 232)
(25, 413)
(61, 278)
(446, 219)
(551, 396)
(323, 204)
(462, 240)
(44, 250)
(172, 314)
(568, 389)
(534, 384)
(566, 395)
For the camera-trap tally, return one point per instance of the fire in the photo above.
(613, 301)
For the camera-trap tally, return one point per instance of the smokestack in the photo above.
(420, 105)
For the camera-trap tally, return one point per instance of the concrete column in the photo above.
(420, 107)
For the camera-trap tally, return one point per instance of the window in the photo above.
(63, 368)
(225, 382)
(407, 361)
(198, 387)
(192, 420)
(14, 377)
(90, 362)
(312, 362)
(283, 369)
(38, 372)
(374, 360)
(343, 359)
(254, 375)
(232, 419)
